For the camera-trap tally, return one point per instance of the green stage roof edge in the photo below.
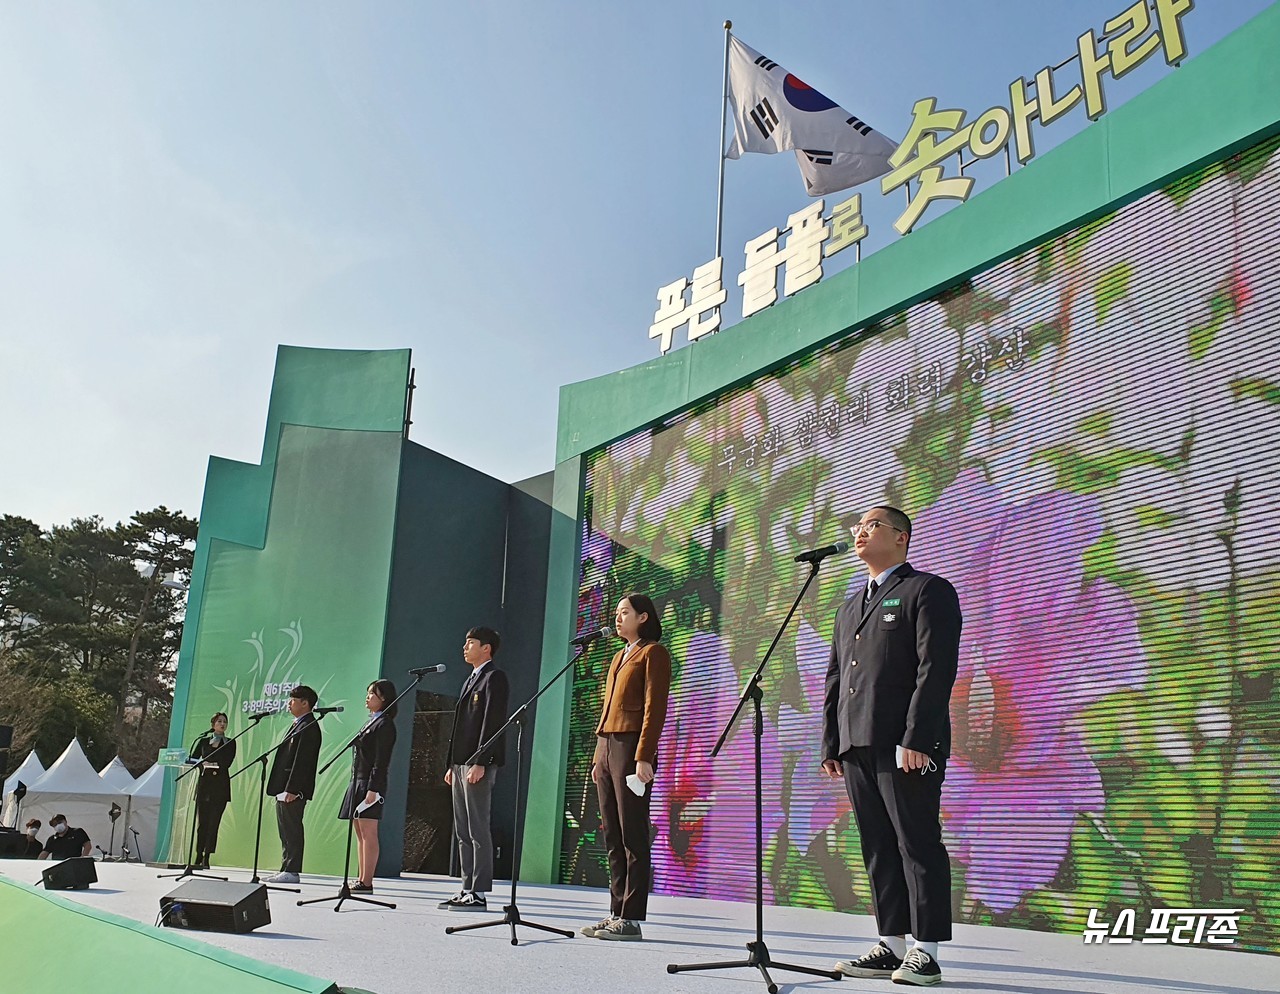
(1218, 102)
(70, 947)
(352, 389)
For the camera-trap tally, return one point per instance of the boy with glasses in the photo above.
(887, 732)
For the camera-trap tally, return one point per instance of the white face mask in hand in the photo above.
(929, 765)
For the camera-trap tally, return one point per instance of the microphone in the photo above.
(817, 555)
(259, 716)
(423, 670)
(586, 638)
(328, 710)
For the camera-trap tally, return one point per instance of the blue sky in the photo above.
(500, 187)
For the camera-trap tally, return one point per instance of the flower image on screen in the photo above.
(1087, 438)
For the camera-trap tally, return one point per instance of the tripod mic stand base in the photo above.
(510, 916)
(759, 958)
(344, 894)
(189, 872)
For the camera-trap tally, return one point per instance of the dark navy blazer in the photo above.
(892, 667)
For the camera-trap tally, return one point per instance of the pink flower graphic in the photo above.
(817, 802)
(1040, 643)
(704, 808)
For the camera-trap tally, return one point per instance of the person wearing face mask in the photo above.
(216, 754)
(65, 842)
(34, 846)
(636, 693)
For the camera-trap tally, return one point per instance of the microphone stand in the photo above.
(758, 956)
(136, 855)
(511, 912)
(262, 790)
(344, 892)
(187, 870)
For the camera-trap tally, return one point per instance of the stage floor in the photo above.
(405, 951)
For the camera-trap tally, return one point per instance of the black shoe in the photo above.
(879, 961)
(620, 930)
(359, 888)
(467, 901)
(918, 968)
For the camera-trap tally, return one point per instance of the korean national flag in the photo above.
(774, 111)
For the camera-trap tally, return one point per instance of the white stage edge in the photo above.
(406, 951)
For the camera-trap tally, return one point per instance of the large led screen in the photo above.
(1087, 437)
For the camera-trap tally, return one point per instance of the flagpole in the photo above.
(724, 109)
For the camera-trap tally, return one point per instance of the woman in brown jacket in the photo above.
(635, 708)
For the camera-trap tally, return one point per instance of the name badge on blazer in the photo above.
(890, 610)
(475, 698)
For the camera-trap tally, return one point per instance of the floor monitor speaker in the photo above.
(216, 906)
(71, 874)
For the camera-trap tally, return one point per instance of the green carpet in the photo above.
(53, 943)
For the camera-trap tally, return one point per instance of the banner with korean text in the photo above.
(1087, 436)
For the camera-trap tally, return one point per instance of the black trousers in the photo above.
(900, 824)
(626, 826)
(208, 818)
(289, 822)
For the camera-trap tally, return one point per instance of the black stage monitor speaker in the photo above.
(71, 874)
(13, 844)
(216, 906)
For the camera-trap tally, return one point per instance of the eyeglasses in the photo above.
(870, 526)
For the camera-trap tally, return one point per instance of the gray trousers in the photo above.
(471, 826)
(289, 822)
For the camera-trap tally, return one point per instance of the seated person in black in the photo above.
(65, 842)
(34, 847)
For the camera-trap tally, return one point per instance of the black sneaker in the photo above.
(879, 961)
(620, 930)
(918, 968)
(447, 903)
(466, 901)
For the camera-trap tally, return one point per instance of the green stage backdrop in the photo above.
(1073, 383)
(304, 603)
(1088, 439)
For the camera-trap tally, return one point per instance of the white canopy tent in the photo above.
(71, 786)
(28, 772)
(143, 815)
(117, 775)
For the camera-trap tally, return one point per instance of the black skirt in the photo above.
(348, 808)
